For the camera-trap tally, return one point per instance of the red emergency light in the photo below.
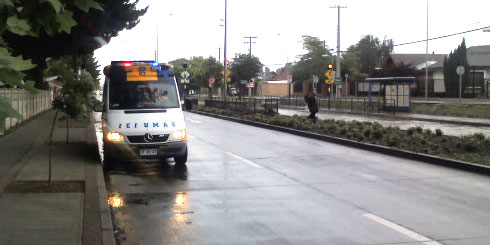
(127, 65)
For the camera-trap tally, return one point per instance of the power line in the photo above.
(459, 33)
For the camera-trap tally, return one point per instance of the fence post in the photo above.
(364, 105)
(277, 105)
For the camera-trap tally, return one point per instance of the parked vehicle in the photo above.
(142, 115)
(233, 92)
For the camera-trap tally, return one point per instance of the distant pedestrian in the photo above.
(312, 103)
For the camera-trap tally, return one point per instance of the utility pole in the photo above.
(337, 66)
(224, 56)
(427, 52)
(219, 55)
(250, 42)
(156, 52)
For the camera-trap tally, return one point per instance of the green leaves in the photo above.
(6, 3)
(6, 110)
(11, 68)
(19, 64)
(85, 5)
(12, 77)
(18, 26)
(55, 3)
(66, 21)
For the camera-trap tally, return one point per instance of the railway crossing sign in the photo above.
(329, 74)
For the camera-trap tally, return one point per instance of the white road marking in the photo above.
(192, 120)
(190, 136)
(402, 230)
(244, 160)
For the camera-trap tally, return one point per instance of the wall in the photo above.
(276, 89)
(27, 104)
(438, 77)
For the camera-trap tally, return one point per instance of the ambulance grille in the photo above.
(141, 138)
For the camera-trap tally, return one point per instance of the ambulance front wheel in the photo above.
(181, 160)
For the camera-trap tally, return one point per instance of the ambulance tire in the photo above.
(181, 160)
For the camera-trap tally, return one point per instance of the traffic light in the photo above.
(330, 66)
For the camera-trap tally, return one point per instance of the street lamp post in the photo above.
(346, 83)
(224, 56)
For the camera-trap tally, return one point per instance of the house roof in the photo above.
(282, 73)
(418, 60)
(478, 55)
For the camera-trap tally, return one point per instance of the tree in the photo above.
(370, 53)
(38, 30)
(451, 78)
(244, 67)
(361, 59)
(200, 70)
(203, 69)
(30, 19)
(314, 62)
(396, 70)
(84, 25)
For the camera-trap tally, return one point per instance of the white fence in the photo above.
(26, 103)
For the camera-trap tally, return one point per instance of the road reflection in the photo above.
(115, 200)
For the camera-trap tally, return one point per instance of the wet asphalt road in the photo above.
(247, 185)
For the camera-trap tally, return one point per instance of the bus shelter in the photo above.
(395, 91)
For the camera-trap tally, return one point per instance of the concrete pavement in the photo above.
(72, 208)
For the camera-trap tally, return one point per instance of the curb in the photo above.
(471, 167)
(105, 213)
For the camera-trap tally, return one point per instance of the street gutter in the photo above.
(471, 167)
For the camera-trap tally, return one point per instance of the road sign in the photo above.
(328, 81)
(185, 80)
(243, 81)
(250, 85)
(211, 80)
(338, 81)
(315, 79)
(460, 70)
(329, 74)
(290, 79)
(185, 74)
(227, 72)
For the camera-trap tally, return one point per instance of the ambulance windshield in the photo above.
(143, 94)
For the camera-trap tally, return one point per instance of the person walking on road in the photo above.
(312, 103)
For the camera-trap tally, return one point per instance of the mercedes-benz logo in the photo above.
(148, 137)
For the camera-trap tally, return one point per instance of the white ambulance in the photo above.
(142, 115)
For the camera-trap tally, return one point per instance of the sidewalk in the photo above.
(73, 208)
(477, 122)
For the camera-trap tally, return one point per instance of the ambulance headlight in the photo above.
(179, 135)
(114, 137)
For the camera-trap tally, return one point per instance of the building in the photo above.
(478, 60)
(276, 84)
(435, 79)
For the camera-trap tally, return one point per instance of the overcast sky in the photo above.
(189, 28)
